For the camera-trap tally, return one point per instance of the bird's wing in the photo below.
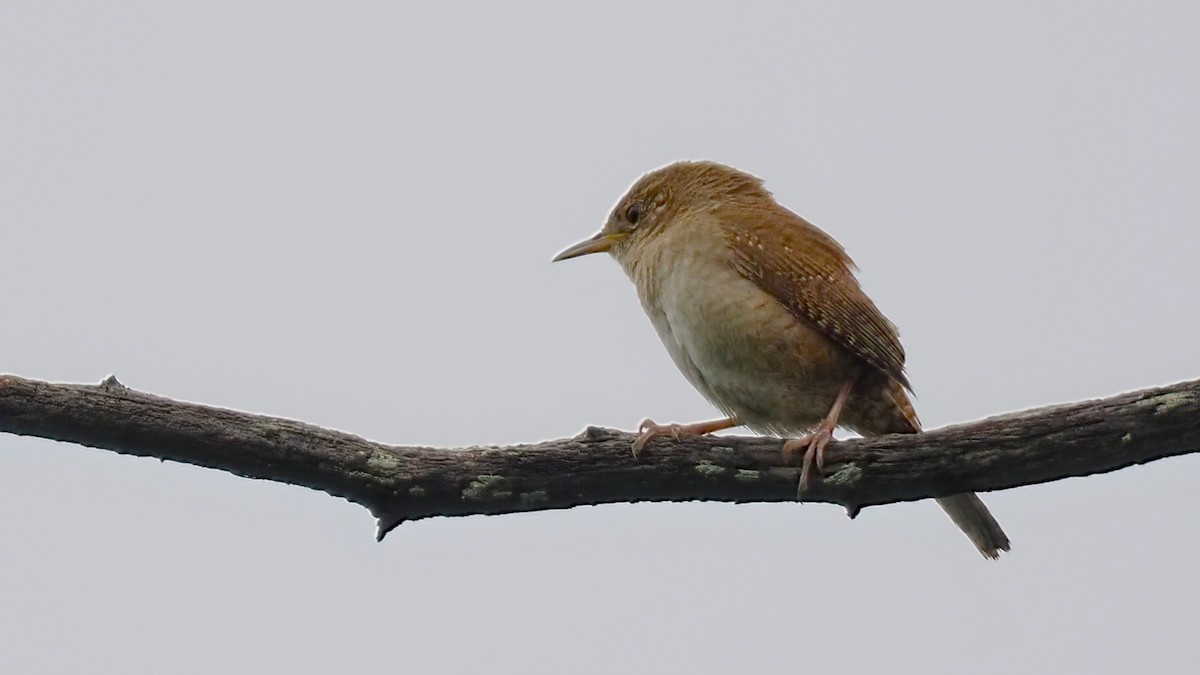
(810, 274)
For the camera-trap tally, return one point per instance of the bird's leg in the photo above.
(814, 443)
(649, 431)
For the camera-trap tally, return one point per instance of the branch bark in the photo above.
(399, 483)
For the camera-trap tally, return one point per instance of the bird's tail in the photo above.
(966, 510)
(973, 518)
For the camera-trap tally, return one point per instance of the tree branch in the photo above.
(399, 483)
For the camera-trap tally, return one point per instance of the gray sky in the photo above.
(344, 213)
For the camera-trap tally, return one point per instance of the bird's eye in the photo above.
(633, 213)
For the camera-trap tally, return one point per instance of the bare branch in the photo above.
(399, 483)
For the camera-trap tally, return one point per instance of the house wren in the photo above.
(761, 311)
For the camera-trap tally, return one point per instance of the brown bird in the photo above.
(761, 311)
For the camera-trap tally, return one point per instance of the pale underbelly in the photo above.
(750, 356)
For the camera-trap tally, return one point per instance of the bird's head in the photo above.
(662, 200)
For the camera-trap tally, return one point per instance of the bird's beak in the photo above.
(597, 244)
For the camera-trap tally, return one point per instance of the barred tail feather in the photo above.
(973, 518)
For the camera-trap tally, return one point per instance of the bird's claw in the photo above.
(814, 454)
(649, 430)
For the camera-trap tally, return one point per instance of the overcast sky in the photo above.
(344, 213)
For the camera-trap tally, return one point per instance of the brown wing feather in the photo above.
(810, 274)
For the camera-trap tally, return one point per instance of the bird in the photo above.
(761, 312)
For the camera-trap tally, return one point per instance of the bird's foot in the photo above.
(814, 453)
(649, 430)
(814, 443)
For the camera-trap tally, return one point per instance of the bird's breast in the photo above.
(735, 343)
